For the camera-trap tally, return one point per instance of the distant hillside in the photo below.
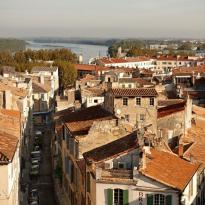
(12, 45)
(87, 41)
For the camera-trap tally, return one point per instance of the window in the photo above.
(151, 101)
(130, 86)
(123, 85)
(142, 117)
(95, 101)
(159, 199)
(127, 118)
(125, 101)
(42, 96)
(121, 165)
(138, 101)
(118, 197)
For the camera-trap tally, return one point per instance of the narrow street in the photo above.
(43, 182)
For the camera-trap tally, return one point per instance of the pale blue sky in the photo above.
(102, 18)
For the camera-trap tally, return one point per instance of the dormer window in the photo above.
(121, 165)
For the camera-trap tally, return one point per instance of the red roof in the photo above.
(141, 92)
(170, 109)
(169, 169)
(188, 70)
(86, 67)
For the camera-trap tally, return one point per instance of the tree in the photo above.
(67, 74)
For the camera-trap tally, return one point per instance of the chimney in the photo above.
(41, 79)
(144, 160)
(181, 150)
(7, 99)
(146, 150)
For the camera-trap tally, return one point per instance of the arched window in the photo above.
(159, 199)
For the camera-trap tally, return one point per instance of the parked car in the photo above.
(34, 170)
(36, 155)
(35, 162)
(36, 148)
(33, 196)
(38, 132)
(34, 203)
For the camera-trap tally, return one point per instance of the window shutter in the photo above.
(125, 197)
(169, 200)
(109, 196)
(149, 199)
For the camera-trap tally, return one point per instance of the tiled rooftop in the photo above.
(79, 122)
(86, 67)
(5, 85)
(188, 70)
(170, 109)
(169, 169)
(135, 92)
(8, 145)
(40, 88)
(113, 149)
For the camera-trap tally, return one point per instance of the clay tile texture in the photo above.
(79, 122)
(136, 92)
(86, 67)
(8, 145)
(113, 149)
(169, 169)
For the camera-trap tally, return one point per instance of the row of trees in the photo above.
(125, 45)
(26, 60)
(11, 44)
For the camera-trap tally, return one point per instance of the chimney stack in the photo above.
(181, 150)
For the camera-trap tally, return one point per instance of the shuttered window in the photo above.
(159, 199)
(125, 197)
(149, 199)
(169, 200)
(117, 197)
(110, 196)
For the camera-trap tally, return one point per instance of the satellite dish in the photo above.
(118, 111)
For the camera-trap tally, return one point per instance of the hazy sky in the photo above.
(102, 18)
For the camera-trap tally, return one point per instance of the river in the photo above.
(87, 51)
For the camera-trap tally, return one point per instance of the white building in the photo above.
(127, 62)
(119, 173)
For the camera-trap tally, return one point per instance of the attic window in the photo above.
(121, 165)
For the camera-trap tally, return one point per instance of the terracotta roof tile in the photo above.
(86, 67)
(188, 70)
(12, 113)
(141, 92)
(195, 136)
(170, 109)
(6, 85)
(8, 145)
(113, 149)
(79, 122)
(40, 88)
(168, 102)
(169, 169)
